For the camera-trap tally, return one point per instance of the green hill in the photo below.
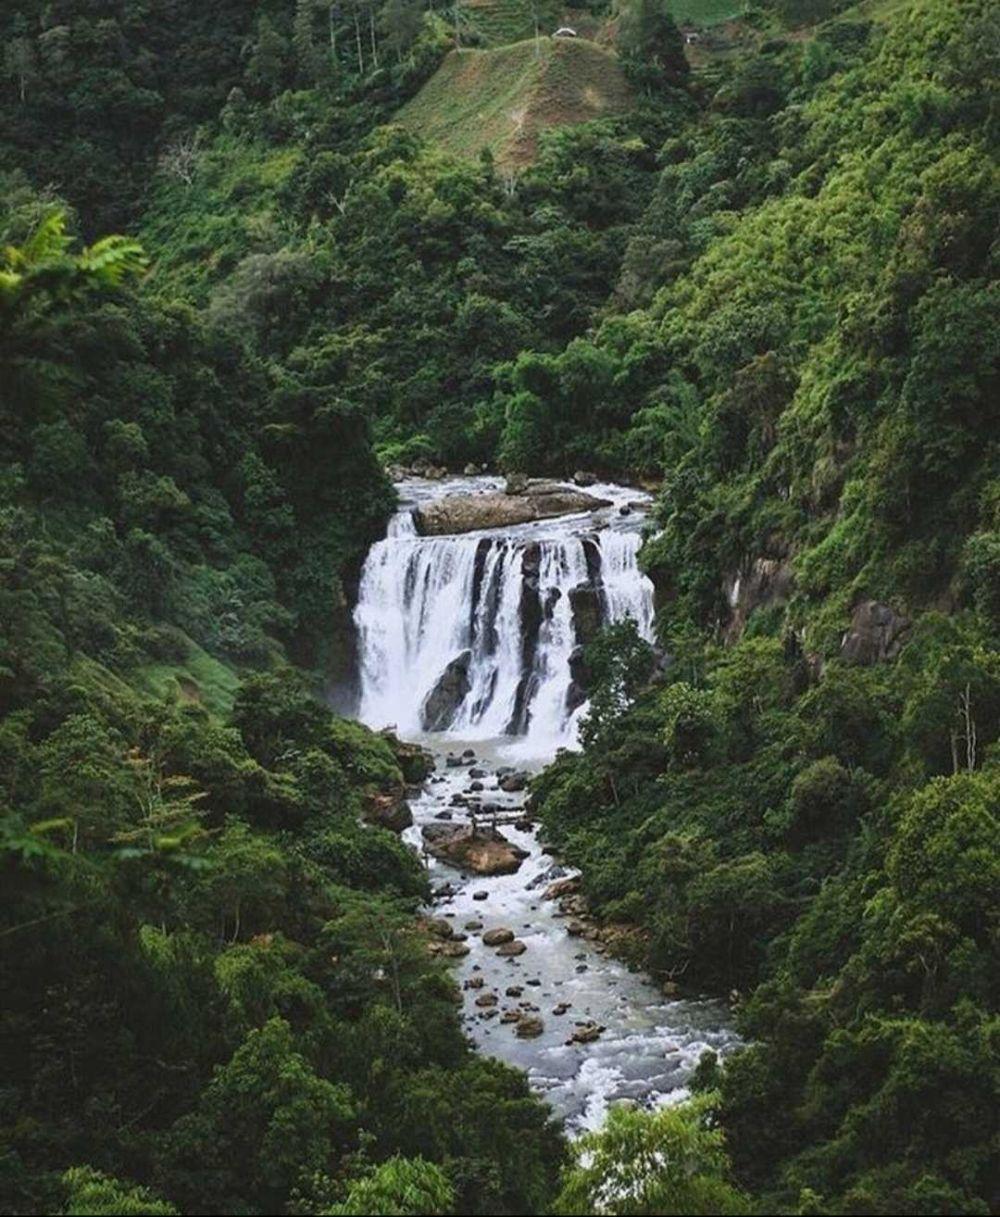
(502, 99)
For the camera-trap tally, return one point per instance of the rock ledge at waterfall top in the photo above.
(539, 500)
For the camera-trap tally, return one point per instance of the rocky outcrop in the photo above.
(538, 500)
(876, 633)
(484, 851)
(388, 809)
(442, 702)
(762, 582)
(415, 762)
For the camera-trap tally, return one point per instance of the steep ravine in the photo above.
(469, 645)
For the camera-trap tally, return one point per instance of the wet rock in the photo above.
(586, 1033)
(521, 504)
(484, 851)
(585, 601)
(524, 825)
(562, 1007)
(444, 815)
(474, 982)
(475, 787)
(487, 999)
(455, 950)
(473, 925)
(447, 695)
(478, 773)
(582, 478)
(498, 936)
(529, 1027)
(439, 927)
(480, 895)
(444, 892)
(513, 783)
(510, 1016)
(575, 929)
(510, 949)
(561, 888)
(513, 991)
(547, 876)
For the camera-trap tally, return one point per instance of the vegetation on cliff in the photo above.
(767, 284)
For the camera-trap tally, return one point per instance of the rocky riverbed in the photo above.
(541, 989)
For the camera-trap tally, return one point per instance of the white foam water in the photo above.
(492, 614)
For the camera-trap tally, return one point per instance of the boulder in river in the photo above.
(484, 851)
(513, 783)
(510, 949)
(586, 1033)
(529, 1027)
(539, 500)
(498, 936)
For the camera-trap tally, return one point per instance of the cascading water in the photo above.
(475, 639)
(477, 635)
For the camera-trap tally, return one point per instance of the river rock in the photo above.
(562, 888)
(513, 783)
(583, 478)
(529, 1026)
(497, 937)
(468, 513)
(480, 895)
(484, 851)
(586, 1033)
(440, 928)
(510, 949)
(487, 999)
(454, 950)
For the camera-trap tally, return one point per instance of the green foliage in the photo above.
(399, 1188)
(667, 1161)
(90, 1192)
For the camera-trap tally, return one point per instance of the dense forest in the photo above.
(238, 284)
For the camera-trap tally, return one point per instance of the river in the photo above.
(427, 602)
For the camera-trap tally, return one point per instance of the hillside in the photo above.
(502, 99)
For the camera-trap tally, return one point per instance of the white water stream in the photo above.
(468, 643)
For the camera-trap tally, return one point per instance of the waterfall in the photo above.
(477, 635)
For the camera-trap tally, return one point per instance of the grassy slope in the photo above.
(502, 99)
(705, 12)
